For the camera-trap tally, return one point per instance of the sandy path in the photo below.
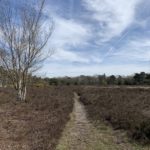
(80, 134)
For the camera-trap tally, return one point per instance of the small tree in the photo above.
(22, 39)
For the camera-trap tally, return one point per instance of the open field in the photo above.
(37, 124)
(55, 117)
(123, 108)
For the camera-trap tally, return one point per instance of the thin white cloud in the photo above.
(69, 33)
(71, 56)
(136, 50)
(68, 36)
(64, 55)
(113, 16)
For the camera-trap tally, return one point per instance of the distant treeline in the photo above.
(137, 79)
(99, 80)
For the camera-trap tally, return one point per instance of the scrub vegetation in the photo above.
(36, 124)
(123, 108)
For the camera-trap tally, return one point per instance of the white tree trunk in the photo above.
(22, 91)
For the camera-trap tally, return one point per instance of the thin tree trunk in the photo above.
(22, 91)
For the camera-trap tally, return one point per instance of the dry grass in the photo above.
(123, 108)
(37, 124)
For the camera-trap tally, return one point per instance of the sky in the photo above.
(94, 37)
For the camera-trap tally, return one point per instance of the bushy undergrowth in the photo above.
(124, 108)
(37, 124)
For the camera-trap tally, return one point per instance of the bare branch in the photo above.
(22, 40)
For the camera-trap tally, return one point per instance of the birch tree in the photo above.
(24, 32)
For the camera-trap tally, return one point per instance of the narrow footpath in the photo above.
(80, 134)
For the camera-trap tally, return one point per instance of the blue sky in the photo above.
(98, 36)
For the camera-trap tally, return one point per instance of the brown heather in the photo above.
(36, 124)
(124, 108)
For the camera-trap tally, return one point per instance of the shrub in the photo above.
(37, 124)
(123, 108)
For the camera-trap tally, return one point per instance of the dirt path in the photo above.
(80, 134)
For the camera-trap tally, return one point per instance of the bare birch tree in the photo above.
(23, 35)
